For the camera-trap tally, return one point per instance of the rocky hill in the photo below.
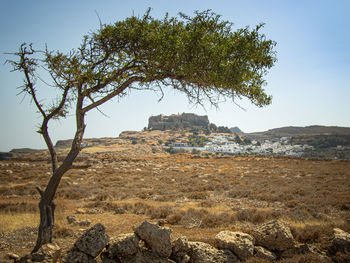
(308, 130)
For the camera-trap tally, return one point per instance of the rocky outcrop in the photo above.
(123, 246)
(74, 221)
(261, 252)
(176, 122)
(153, 243)
(88, 246)
(239, 243)
(156, 237)
(340, 241)
(48, 253)
(274, 235)
(199, 252)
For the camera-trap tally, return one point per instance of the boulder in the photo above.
(261, 252)
(340, 241)
(73, 220)
(12, 256)
(202, 253)
(274, 235)
(47, 253)
(199, 252)
(241, 244)
(124, 245)
(93, 241)
(105, 258)
(180, 249)
(144, 256)
(156, 237)
(76, 256)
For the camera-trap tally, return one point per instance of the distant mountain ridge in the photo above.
(308, 130)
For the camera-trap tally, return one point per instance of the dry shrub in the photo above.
(62, 232)
(194, 218)
(257, 260)
(73, 193)
(197, 195)
(140, 208)
(256, 216)
(175, 218)
(18, 207)
(218, 220)
(161, 212)
(207, 204)
(307, 258)
(101, 197)
(342, 257)
(311, 233)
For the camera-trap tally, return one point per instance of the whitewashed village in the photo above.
(228, 144)
(311, 141)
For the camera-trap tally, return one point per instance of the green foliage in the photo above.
(195, 140)
(171, 150)
(238, 140)
(197, 55)
(200, 56)
(195, 151)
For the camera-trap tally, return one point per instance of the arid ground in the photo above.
(197, 196)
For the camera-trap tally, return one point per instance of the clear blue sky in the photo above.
(310, 83)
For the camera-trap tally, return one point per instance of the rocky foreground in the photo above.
(151, 242)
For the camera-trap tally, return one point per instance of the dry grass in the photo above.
(13, 221)
(196, 196)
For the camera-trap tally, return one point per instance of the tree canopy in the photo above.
(199, 56)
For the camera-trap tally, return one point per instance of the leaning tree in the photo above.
(200, 56)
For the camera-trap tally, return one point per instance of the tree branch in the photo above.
(111, 95)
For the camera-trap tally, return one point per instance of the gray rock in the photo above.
(93, 240)
(76, 256)
(123, 245)
(86, 222)
(106, 259)
(203, 253)
(47, 253)
(261, 252)
(143, 256)
(340, 241)
(180, 249)
(274, 235)
(199, 252)
(156, 237)
(241, 244)
(12, 256)
(71, 219)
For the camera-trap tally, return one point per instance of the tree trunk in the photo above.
(47, 218)
(46, 204)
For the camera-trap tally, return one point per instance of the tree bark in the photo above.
(47, 218)
(46, 204)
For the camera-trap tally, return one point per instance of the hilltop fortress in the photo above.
(178, 121)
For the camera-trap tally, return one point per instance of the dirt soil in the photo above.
(196, 196)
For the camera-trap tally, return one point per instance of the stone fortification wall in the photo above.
(178, 121)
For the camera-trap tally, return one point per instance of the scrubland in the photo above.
(196, 196)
